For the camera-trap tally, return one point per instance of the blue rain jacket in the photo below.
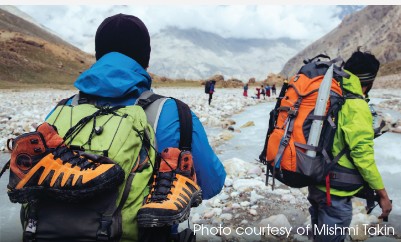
(119, 80)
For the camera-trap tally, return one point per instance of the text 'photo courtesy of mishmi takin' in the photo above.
(243, 231)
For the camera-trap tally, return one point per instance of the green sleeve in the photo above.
(358, 134)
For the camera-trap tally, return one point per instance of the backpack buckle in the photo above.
(83, 100)
(103, 233)
(30, 230)
(292, 113)
(144, 102)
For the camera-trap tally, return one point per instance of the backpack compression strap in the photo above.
(153, 104)
(272, 122)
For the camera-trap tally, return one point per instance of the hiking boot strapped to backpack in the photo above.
(41, 164)
(174, 190)
(122, 134)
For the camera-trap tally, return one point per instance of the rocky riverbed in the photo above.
(245, 204)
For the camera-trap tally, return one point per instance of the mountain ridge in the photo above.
(361, 28)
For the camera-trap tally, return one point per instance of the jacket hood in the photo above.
(352, 84)
(114, 76)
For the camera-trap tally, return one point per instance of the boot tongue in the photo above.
(170, 156)
(50, 134)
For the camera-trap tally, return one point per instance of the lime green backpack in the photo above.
(124, 135)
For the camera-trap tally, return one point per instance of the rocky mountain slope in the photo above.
(376, 28)
(29, 54)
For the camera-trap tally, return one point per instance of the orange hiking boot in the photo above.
(42, 164)
(174, 191)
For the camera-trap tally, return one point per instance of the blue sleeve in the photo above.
(210, 172)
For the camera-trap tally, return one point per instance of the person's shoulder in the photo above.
(355, 107)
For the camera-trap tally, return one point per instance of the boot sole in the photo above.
(147, 220)
(27, 194)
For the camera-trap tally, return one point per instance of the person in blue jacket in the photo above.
(211, 91)
(119, 77)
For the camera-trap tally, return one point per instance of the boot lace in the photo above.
(67, 155)
(162, 186)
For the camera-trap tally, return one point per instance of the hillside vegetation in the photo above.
(31, 56)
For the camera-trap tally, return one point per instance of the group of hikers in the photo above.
(117, 162)
(262, 90)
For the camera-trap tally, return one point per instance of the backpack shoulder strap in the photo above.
(185, 117)
(153, 104)
(350, 95)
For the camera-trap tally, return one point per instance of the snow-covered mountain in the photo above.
(196, 54)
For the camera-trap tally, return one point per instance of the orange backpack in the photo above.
(290, 122)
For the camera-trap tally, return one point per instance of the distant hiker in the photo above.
(245, 90)
(267, 90)
(263, 91)
(257, 93)
(274, 90)
(116, 115)
(211, 90)
(355, 134)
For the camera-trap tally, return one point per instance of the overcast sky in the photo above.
(78, 24)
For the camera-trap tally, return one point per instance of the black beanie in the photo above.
(364, 65)
(125, 34)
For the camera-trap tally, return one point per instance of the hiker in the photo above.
(211, 90)
(257, 93)
(116, 82)
(267, 90)
(354, 131)
(274, 90)
(263, 91)
(337, 161)
(245, 90)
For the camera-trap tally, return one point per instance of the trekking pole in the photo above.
(320, 110)
(371, 197)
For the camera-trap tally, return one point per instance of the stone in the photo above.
(253, 212)
(279, 221)
(226, 216)
(247, 124)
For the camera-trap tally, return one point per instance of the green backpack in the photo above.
(125, 135)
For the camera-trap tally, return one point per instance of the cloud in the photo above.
(77, 24)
